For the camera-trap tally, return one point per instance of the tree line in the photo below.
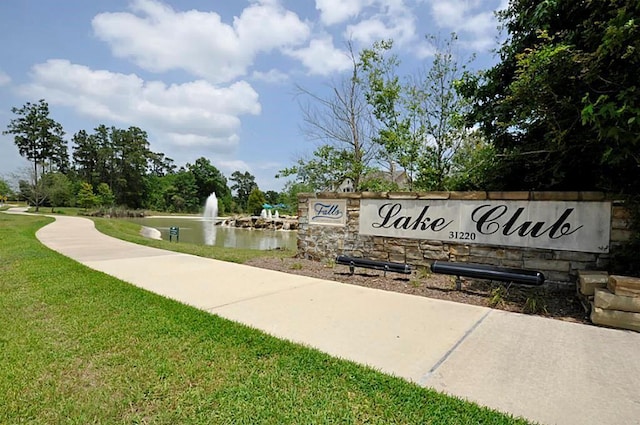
(559, 111)
(112, 166)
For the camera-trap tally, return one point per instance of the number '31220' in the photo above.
(469, 236)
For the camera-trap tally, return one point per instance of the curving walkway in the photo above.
(546, 370)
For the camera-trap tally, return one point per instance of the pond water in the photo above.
(205, 232)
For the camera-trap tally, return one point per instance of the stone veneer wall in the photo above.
(319, 242)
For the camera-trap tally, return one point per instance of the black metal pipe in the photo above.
(373, 264)
(484, 271)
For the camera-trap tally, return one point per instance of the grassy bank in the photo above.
(78, 346)
(130, 231)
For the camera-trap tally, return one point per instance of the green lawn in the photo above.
(129, 231)
(78, 347)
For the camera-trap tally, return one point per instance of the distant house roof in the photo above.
(346, 185)
(398, 177)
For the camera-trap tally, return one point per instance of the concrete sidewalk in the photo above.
(545, 370)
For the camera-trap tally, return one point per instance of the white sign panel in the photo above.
(328, 212)
(569, 226)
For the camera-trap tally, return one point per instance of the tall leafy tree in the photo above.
(120, 158)
(104, 195)
(289, 195)
(208, 180)
(420, 117)
(5, 189)
(160, 165)
(255, 200)
(324, 170)
(58, 189)
(39, 139)
(436, 112)
(85, 197)
(182, 193)
(384, 92)
(243, 184)
(131, 149)
(562, 107)
(272, 197)
(94, 156)
(86, 158)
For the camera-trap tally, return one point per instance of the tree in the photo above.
(105, 195)
(289, 195)
(131, 153)
(255, 201)
(472, 164)
(436, 112)
(160, 165)
(33, 193)
(39, 139)
(243, 184)
(323, 171)
(5, 191)
(86, 198)
(272, 197)
(420, 119)
(86, 157)
(208, 180)
(343, 125)
(384, 93)
(58, 189)
(120, 158)
(181, 195)
(562, 106)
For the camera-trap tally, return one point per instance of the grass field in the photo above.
(78, 347)
(130, 231)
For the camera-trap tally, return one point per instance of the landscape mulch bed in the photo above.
(557, 303)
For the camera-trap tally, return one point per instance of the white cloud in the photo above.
(191, 114)
(369, 30)
(424, 50)
(271, 76)
(321, 57)
(229, 166)
(337, 11)
(158, 38)
(4, 78)
(392, 21)
(473, 20)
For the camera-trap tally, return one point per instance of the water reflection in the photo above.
(209, 232)
(205, 232)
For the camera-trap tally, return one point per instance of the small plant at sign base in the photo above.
(330, 264)
(424, 273)
(535, 304)
(415, 283)
(452, 282)
(497, 296)
(296, 266)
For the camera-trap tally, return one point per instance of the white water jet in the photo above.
(209, 219)
(269, 216)
(276, 215)
(211, 208)
(263, 213)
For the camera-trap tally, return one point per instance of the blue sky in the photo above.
(209, 78)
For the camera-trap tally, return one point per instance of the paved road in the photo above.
(546, 370)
